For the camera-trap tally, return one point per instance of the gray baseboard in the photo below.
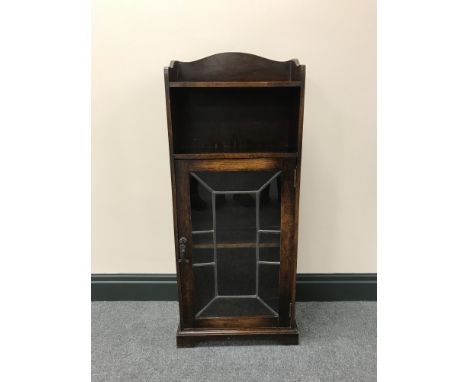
(163, 287)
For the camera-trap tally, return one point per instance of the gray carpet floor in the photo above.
(135, 341)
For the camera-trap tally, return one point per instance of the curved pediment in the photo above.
(234, 66)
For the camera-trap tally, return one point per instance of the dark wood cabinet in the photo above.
(235, 133)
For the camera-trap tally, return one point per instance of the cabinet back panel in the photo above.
(210, 120)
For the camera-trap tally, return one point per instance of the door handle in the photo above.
(182, 249)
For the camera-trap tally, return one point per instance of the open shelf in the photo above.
(234, 84)
(235, 120)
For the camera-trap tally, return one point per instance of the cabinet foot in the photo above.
(192, 337)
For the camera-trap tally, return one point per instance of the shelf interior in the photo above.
(235, 120)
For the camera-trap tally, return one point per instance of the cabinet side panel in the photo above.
(297, 184)
(173, 179)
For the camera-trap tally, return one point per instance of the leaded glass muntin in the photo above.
(236, 230)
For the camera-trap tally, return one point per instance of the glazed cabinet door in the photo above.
(235, 222)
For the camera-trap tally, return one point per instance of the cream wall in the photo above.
(132, 40)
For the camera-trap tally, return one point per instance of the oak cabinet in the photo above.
(235, 133)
